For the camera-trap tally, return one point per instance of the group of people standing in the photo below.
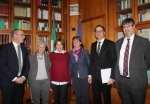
(126, 61)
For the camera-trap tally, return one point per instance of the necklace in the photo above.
(40, 57)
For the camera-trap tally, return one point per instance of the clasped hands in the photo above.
(20, 80)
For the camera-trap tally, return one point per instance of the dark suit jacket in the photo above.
(138, 64)
(9, 64)
(106, 59)
(34, 66)
(81, 65)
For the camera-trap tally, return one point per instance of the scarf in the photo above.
(76, 53)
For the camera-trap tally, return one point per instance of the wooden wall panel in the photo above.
(91, 9)
(97, 8)
(88, 31)
(73, 24)
(86, 9)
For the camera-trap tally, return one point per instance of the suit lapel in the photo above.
(104, 45)
(12, 48)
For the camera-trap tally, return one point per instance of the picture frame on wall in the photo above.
(74, 9)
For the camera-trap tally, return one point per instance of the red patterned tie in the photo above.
(126, 56)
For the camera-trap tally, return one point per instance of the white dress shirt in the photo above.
(16, 48)
(122, 51)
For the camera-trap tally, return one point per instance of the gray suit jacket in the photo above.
(34, 66)
(80, 66)
(138, 64)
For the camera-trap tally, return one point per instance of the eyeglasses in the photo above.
(127, 26)
(100, 31)
(21, 34)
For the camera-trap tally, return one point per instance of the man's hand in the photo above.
(110, 81)
(20, 80)
(90, 80)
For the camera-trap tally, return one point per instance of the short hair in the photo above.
(15, 31)
(61, 41)
(78, 38)
(99, 26)
(127, 21)
(41, 42)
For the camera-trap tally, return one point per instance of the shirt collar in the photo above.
(101, 40)
(60, 52)
(131, 38)
(15, 44)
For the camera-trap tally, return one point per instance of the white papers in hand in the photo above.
(105, 75)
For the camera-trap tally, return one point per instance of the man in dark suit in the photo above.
(14, 68)
(103, 56)
(133, 60)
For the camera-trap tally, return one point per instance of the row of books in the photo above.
(142, 1)
(144, 33)
(122, 17)
(58, 27)
(42, 14)
(144, 16)
(43, 2)
(43, 26)
(22, 24)
(22, 11)
(123, 4)
(57, 16)
(56, 3)
(4, 9)
(4, 38)
(4, 23)
(24, 0)
(27, 41)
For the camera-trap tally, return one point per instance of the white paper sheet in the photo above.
(105, 75)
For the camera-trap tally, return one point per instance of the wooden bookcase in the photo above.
(24, 14)
(140, 12)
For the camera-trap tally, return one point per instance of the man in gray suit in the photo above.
(133, 60)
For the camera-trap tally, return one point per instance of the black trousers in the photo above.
(13, 94)
(81, 88)
(128, 94)
(98, 87)
(60, 93)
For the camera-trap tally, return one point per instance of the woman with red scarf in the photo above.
(78, 65)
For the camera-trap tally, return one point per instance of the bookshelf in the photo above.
(34, 17)
(4, 14)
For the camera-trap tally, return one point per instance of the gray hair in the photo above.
(41, 42)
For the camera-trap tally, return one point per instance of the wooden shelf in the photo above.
(43, 7)
(4, 2)
(22, 17)
(144, 24)
(42, 20)
(19, 3)
(56, 9)
(3, 15)
(144, 6)
(124, 11)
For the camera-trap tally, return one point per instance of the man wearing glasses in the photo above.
(14, 66)
(103, 59)
(133, 60)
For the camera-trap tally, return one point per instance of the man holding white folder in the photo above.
(102, 66)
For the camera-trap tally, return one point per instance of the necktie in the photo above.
(126, 56)
(98, 48)
(19, 58)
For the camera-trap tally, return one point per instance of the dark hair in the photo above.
(99, 26)
(78, 38)
(127, 21)
(61, 41)
(15, 31)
